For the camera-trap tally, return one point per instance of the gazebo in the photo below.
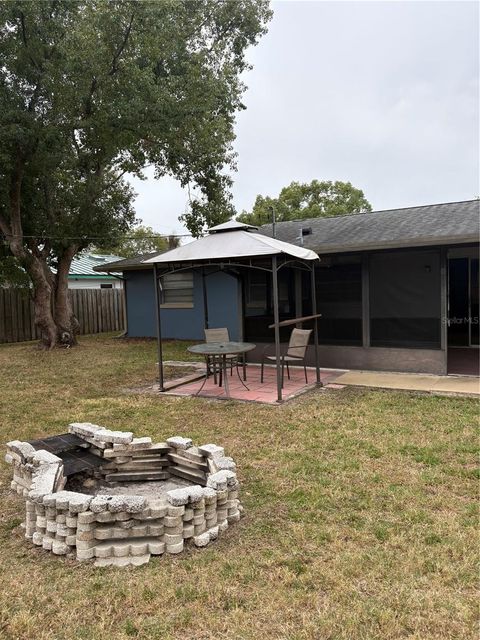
(234, 246)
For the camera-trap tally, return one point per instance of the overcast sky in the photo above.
(382, 94)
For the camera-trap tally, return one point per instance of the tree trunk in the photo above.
(42, 300)
(65, 320)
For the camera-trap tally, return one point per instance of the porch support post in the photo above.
(159, 328)
(205, 299)
(315, 326)
(276, 320)
(366, 300)
(444, 311)
(298, 296)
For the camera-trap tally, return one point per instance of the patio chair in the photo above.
(296, 351)
(221, 335)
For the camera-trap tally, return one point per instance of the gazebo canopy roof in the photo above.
(231, 240)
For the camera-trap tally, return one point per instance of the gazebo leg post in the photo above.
(159, 329)
(315, 327)
(276, 320)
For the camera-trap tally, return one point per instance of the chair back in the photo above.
(298, 343)
(217, 335)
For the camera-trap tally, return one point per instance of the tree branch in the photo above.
(25, 40)
(123, 44)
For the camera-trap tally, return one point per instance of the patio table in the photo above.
(221, 350)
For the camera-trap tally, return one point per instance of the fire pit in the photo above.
(98, 494)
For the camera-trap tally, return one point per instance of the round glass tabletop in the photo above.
(221, 348)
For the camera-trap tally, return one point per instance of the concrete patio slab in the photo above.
(411, 382)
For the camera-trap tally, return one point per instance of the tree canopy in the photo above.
(139, 240)
(91, 91)
(317, 199)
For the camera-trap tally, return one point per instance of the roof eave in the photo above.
(411, 243)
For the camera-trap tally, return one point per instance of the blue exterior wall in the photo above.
(184, 324)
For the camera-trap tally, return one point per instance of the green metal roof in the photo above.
(83, 264)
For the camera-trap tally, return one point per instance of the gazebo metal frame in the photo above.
(277, 262)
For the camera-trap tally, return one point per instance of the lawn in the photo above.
(361, 512)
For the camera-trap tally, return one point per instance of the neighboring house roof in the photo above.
(84, 264)
(231, 240)
(436, 224)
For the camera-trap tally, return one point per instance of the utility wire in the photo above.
(44, 237)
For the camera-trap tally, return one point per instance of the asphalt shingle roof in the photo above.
(129, 263)
(436, 224)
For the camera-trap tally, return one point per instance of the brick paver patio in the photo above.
(257, 392)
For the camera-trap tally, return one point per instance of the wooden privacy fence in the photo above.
(97, 310)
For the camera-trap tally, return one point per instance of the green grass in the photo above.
(361, 512)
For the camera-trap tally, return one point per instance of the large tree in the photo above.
(317, 199)
(92, 90)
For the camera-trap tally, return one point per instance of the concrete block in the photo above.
(84, 428)
(172, 539)
(156, 548)
(45, 457)
(210, 495)
(85, 536)
(37, 538)
(139, 548)
(201, 540)
(213, 533)
(59, 548)
(134, 444)
(47, 542)
(21, 451)
(178, 497)
(130, 504)
(178, 442)
(188, 515)
(85, 544)
(85, 554)
(114, 437)
(174, 548)
(173, 521)
(86, 517)
(173, 531)
(211, 451)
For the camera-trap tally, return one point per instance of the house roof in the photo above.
(84, 264)
(128, 264)
(234, 241)
(436, 224)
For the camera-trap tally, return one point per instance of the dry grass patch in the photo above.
(361, 512)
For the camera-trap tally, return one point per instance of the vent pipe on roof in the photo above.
(274, 235)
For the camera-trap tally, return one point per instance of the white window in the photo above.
(177, 290)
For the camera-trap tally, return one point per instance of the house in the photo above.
(397, 290)
(82, 275)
